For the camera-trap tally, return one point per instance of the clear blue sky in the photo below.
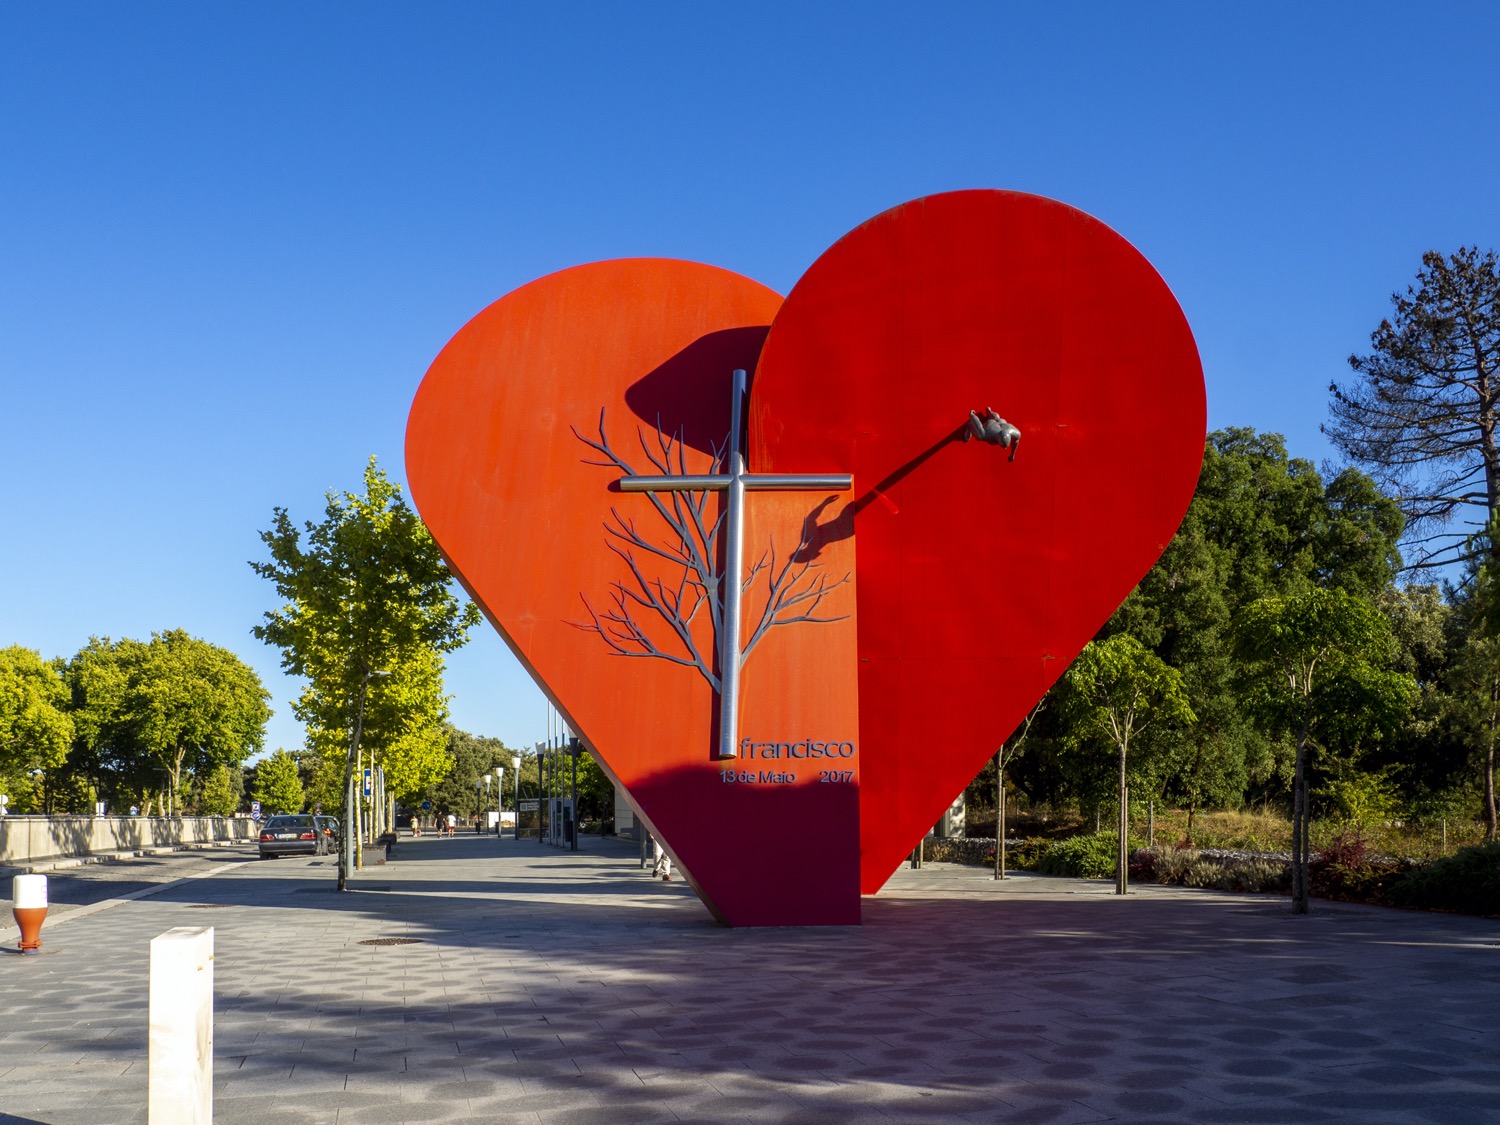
(233, 236)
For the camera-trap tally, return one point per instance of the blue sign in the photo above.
(426, 806)
(254, 810)
(367, 783)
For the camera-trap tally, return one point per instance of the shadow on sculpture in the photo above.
(676, 391)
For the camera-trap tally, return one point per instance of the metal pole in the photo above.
(573, 750)
(1000, 823)
(734, 566)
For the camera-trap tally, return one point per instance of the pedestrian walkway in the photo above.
(497, 981)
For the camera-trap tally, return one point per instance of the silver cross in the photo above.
(736, 482)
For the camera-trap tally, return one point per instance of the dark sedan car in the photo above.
(292, 835)
(329, 826)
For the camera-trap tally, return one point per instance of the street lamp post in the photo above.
(573, 747)
(484, 808)
(516, 762)
(499, 799)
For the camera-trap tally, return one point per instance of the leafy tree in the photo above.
(1261, 523)
(459, 789)
(219, 793)
(278, 787)
(1423, 407)
(192, 703)
(405, 729)
(596, 792)
(36, 730)
(102, 751)
(1474, 674)
(1116, 689)
(366, 594)
(146, 712)
(1317, 669)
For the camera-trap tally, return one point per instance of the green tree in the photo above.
(1317, 669)
(596, 792)
(459, 788)
(1423, 407)
(1115, 690)
(219, 793)
(36, 730)
(1261, 523)
(146, 712)
(278, 787)
(367, 594)
(405, 730)
(193, 704)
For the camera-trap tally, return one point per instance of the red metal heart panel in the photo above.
(506, 461)
(980, 577)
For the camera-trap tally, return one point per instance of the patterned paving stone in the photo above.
(549, 987)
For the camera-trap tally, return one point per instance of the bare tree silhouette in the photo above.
(793, 590)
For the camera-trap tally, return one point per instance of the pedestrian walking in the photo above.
(663, 865)
(452, 823)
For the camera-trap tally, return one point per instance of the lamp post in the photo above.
(516, 762)
(499, 799)
(484, 808)
(573, 747)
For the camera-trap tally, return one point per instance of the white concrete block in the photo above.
(181, 1047)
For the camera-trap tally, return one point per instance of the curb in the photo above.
(62, 863)
(7, 930)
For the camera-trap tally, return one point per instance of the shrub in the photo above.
(1192, 868)
(1202, 873)
(1254, 876)
(1467, 883)
(1168, 865)
(1087, 857)
(1348, 850)
(1028, 853)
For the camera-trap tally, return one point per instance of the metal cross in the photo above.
(736, 481)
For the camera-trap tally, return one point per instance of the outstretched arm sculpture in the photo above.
(993, 429)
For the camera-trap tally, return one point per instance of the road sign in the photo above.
(426, 806)
(254, 810)
(367, 783)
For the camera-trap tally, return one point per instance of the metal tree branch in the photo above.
(792, 591)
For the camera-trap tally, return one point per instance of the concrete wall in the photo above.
(627, 827)
(26, 839)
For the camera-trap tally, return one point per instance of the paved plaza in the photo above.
(552, 987)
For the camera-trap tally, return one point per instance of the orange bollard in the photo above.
(29, 905)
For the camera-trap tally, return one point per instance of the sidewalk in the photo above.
(546, 986)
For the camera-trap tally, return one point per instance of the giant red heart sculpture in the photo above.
(873, 690)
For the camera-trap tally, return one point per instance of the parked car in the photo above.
(292, 835)
(329, 825)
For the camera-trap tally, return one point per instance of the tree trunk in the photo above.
(349, 851)
(1489, 790)
(1192, 810)
(1299, 826)
(177, 779)
(1122, 860)
(999, 818)
(1489, 764)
